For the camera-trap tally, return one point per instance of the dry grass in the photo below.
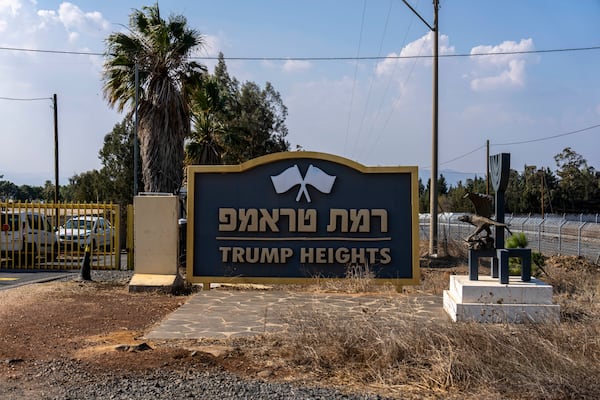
(359, 279)
(409, 357)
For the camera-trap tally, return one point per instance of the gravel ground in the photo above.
(69, 378)
(114, 276)
(70, 383)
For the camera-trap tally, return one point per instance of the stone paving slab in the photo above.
(222, 314)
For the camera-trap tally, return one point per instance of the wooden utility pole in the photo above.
(433, 206)
(433, 189)
(542, 190)
(487, 166)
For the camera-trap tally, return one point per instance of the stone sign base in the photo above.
(155, 282)
(486, 300)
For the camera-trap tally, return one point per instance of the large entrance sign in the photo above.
(291, 217)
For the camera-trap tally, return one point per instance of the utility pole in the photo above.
(136, 149)
(487, 166)
(433, 189)
(542, 176)
(56, 186)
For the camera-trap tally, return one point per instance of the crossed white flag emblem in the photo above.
(314, 177)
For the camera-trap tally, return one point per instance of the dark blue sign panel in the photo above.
(294, 216)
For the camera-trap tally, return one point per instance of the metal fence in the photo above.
(576, 235)
(56, 236)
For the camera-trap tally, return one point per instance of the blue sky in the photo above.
(376, 112)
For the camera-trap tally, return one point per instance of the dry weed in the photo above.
(545, 361)
(467, 360)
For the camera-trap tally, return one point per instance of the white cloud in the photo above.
(296, 66)
(503, 70)
(420, 47)
(73, 17)
(10, 6)
(75, 21)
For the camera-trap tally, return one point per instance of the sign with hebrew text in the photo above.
(294, 216)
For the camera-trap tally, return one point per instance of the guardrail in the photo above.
(576, 235)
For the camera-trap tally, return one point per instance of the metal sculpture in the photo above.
(485, 245)
(482, 221)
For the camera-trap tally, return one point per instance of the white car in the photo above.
(81, 231)
(27, 233)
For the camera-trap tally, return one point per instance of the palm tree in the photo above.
(162, 51)
(207, 102)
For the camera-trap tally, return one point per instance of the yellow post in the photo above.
(116, 245)
(130, 250)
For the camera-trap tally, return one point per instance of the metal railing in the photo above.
(575, 235)
(56, 236)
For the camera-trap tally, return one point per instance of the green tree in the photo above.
(513, 196)
(48, 192)
(90, 186)
(161, 49)
(424, 194)
(8, 190)
(239, 121)
(259, 125)
(456, 200)
(208, 102)
(423, 197)
(116, 157)
(29, 193)
(578, 189)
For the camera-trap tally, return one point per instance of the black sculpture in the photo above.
(486, 245)
(482, 221)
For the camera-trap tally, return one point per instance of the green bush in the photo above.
(516, 241)
(519, 241)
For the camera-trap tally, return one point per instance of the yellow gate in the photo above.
(55, 236)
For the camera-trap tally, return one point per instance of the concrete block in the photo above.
(155, 282)
(486, 300)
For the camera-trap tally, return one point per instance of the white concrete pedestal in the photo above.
(486, 300)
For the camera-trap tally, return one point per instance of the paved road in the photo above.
(11, 279)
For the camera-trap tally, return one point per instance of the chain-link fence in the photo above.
(577, 235)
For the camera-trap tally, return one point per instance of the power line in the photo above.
(368, 100)
(362, 23)
(524, 142)
(373, 143)
(504, 53)
(22, 99)
(548, 137)
(464, 155)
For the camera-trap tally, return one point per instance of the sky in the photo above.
(355, 75)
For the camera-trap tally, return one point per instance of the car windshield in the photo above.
(82, 224)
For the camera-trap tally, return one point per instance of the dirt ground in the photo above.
(99, 324)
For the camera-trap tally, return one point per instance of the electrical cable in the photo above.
(523, 142)
(504, 53)
(362, 23)
(391, 112)
(464, 155)
(548, 137)
(368, 100)
(29, 99)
